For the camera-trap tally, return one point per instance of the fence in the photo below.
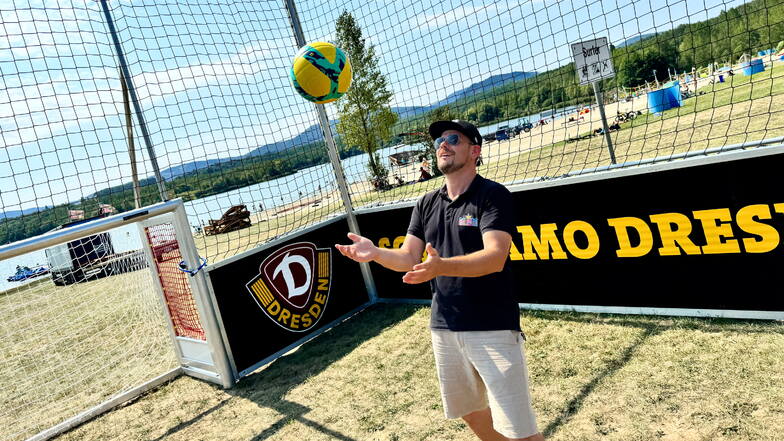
(106, 106)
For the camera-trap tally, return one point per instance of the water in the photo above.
(8, 268)
(308, 182)
(319, 179)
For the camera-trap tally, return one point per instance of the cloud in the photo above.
(248, 62)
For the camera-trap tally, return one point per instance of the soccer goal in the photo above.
(100, 311)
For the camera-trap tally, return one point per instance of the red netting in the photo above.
(176, 290)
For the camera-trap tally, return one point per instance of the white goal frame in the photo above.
(206, 360)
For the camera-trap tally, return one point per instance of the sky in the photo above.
(212, 75)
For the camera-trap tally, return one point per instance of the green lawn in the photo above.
(593, 377)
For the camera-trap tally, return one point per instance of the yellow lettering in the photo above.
(306, 321)
(320, 298)
(514, 253)
(383, 242)
(295, 321)
(315, 310)
(548, 241)
(715, 231)
(284, 316)
(674, 229)
(768, 236)
(274, 307)
(778, 208)
(398, 241)
(625, 248)
(590, 233)
(323, 285)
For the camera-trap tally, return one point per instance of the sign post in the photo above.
(593, 62)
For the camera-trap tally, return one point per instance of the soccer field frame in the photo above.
(203, 358)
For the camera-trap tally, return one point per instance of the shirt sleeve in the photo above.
(415, 227)
(498, 211)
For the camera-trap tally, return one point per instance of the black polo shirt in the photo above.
(455, 228)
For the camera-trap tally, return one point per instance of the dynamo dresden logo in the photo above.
(292, 286)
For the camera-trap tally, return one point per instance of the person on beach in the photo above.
(466, 227)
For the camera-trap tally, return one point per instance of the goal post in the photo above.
(118, 309)
(193, 325)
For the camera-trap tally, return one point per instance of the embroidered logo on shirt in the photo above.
(468, 221)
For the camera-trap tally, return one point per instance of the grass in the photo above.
(593, 377)
(65, 349)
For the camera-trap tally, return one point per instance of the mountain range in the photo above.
(635, 39)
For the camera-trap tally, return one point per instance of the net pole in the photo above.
(137, 192)
(135, 100)
(600, 100)
(332, 151)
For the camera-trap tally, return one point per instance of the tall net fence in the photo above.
(96, 96)
(231, 136)
(509, 69)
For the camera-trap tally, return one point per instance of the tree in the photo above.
(365, 116)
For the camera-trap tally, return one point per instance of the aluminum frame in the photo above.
(219, 371)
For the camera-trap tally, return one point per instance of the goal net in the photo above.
(80, 323)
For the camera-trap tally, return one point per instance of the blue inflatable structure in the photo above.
(752, 67)
(665, 98)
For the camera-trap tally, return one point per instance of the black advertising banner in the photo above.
(276, 296)
(707, 236)
(387, 229)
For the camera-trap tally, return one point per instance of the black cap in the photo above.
(464, 127)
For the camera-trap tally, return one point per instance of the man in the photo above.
(465, 227)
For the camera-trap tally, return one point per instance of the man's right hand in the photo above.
(361, 250)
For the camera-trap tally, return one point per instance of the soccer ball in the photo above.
(321, 72)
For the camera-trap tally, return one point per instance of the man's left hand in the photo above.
(426, 270)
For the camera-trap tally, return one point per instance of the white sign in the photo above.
(593, 60)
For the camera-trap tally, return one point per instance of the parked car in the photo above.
(489, 137)
(501, 134)
(92, 257)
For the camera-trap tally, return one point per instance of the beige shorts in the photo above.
(480, 369)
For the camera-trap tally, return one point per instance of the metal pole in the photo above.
(332, 150)
(598, 93)
(135, 99)
(137, 195)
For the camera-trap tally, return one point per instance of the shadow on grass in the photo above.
(650, 327)
(704, 324)
(191, 421)
(267, 388)
(573, 406)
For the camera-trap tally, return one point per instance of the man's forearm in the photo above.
(395, 259)
(476, 264)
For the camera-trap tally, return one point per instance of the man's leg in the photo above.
(499, 360)
(481, 422)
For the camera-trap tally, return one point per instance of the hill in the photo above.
(484, 86)
(635, 39)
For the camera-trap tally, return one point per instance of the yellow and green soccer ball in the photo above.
(321, 72)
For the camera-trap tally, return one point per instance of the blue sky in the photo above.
(212, 75)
